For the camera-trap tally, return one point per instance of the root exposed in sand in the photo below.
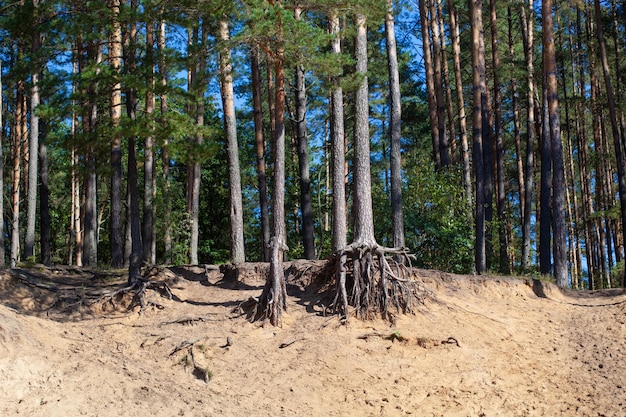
(380, 282)
(68, 299)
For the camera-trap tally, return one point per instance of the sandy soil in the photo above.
(480, 346)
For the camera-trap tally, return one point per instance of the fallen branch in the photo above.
(182, 345)
(450, 341)
(287, 344)
(185, 321)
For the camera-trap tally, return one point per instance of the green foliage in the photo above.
(438, 220)
(617, 274)
(214, 239)
(396, 335)
(29, 262)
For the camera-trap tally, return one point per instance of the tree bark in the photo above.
(558, 178)
(90, 246)
(16, 154)
(545, 216)
(115, 62)
(2, 141)
(516, 122)
(237, 249)
(451, 133)
(136, 255)
(430, 82)
(527, 36)
(497, 99)
(363, 211)
(75, 217)
(395, 129)
(479, 101)
(149, 183)
(259, 145)
(306, 204)
(456, 53)
(44, 200)
(442, 140)
(339, 224)
(197, 86)
(274, 297)
(618, 140)
(167, 204)
(375, 289)
(33, 150)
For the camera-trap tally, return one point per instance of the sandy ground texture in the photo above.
(479, 346)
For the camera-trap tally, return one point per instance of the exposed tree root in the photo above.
(138, 288)
(378, 282)
(273, 300)
(70, 298)
(189, 321)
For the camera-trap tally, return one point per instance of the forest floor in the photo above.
(479, 346)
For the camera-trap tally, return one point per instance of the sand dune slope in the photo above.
(480, 346)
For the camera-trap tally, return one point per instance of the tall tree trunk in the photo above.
(338, 163)
(259, 145)
(363, 211)
(618, 140)
(558, 177)
(395, 129)
(339, 225)
(149, 183)
(447, 85)
(136, 255)
(527, 36)
(456, 53)
(33, 167)
(516, 122)
(194, 170)
(167, 203)
(430, 82)
(571, 193)
(306, 205)
(375, 290)
(2, 141)
(497, 99)
(90, 246)
(545, 216)
(115, 62)
(44, 200)
(75, 217)
(237, 250)
(16, 153)
(274, 296)
(444, 149)
(273, 300)
(128, 238)
(479, 102)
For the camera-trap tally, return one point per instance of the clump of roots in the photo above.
(376, 281)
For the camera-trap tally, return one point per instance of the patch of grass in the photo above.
(29, 262)
(185, 360)
(396, 335)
